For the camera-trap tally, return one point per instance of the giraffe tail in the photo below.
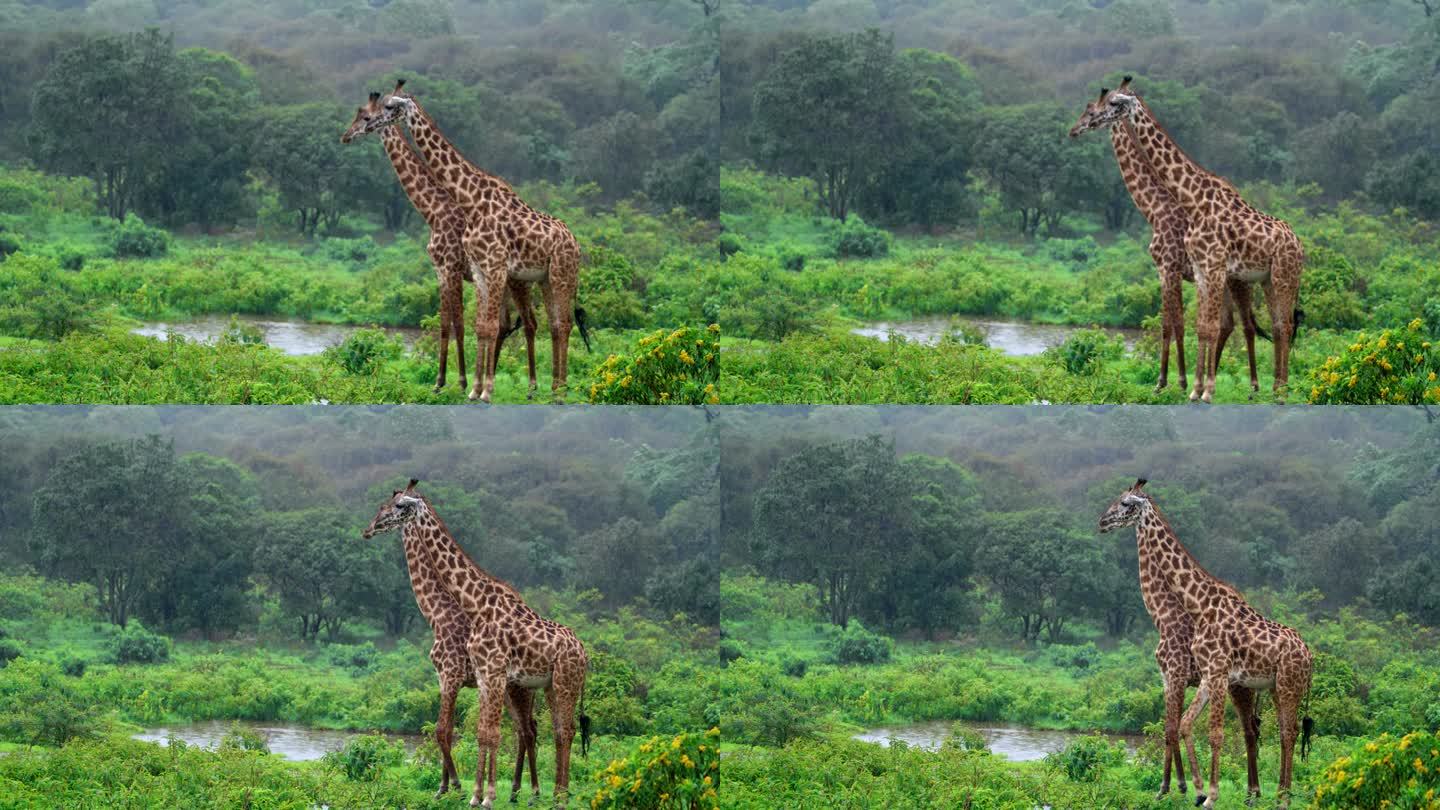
(584, 723)
(583, 325)
(1307, 728)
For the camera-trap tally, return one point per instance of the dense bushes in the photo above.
(681, 773)
(1399, 366)
(681, 367)
(136, 645)
(856, 645)
(1389, 771)
(133, 239)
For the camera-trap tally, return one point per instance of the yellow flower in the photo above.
(686, 358)
(1431, 377)
(616, 781)
(706, 780)
(1420, 766)
(690, 763)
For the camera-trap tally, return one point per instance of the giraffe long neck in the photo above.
(465, 181)
(479, 594)
(1196, 190)
(1149, 194)
(1176, 567)
(431, 595)
(425, 192)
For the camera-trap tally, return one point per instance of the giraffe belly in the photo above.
(1251, 680)
(520, 272)
(530, 681)
(1251, 273)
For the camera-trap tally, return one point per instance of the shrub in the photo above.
(964, 738)
(681, 773)
(730, 650)
(240, 738)
(72, 260)
(608, 289)
(241, 333)
(133, 239)
(364, 756)
(1384, 772)
(792, 260)
(729, 244)
(678, 368)
(17, 197)
(356, 251)
(38, 705)
(1078, 251)
(794, 667)
(856, 239)
(364, 351)
(1395, 367)
(1077, 657)
(137, 645)
(9, 651)
(856, 645)
(73, 665)
(1085, 758)
(1086, 350)
(355, 656)
(9, 243)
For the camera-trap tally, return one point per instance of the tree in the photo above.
(317, 177)
(204, 175)
(1022, 151)
(139, 489)
(827, 515)
(831, 109)
(112, 110)
(316, 563)
(1039, 566)
(616, 153)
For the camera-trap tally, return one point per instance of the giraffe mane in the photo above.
(506, 586)
(1160, 125)
(1184, 549)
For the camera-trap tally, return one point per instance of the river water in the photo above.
(1015, 743)
(289, 336)
(1011, 337)
(290, 742)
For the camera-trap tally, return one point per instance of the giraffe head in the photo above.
(1127, 509)
(399, 103)
(1112, 106)
(372, 116)
(397, 510)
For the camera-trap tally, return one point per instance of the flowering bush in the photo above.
(677, 368)
(1397, 366)
(681, 773)
(1385, 772)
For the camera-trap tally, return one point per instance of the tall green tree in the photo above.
(830, 109)
(316, 563)
(112, 110)
(106, 515)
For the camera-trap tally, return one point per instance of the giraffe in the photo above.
(1226, 237)
(504, 238)
(1233, 645)
(445, 248)
(509, 644)
(448, 653)
(1168, 224)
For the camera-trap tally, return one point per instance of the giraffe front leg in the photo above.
(1172, 318)
(1215, 684)
(445, 737)
(1210, 286)
(487, 736)
(1244, 700)
(488, 270)
(521, 293)
(1187, 728)
(1174, 705)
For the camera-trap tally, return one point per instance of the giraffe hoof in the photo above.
(1200, 799)
(1206, 397)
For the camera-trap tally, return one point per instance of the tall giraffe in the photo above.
(451, 658)
(445, 248)
(1226, 236)
(509, 643)
(1178, 669)
(1233, 644)
(504, 238)
(1168, 225)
